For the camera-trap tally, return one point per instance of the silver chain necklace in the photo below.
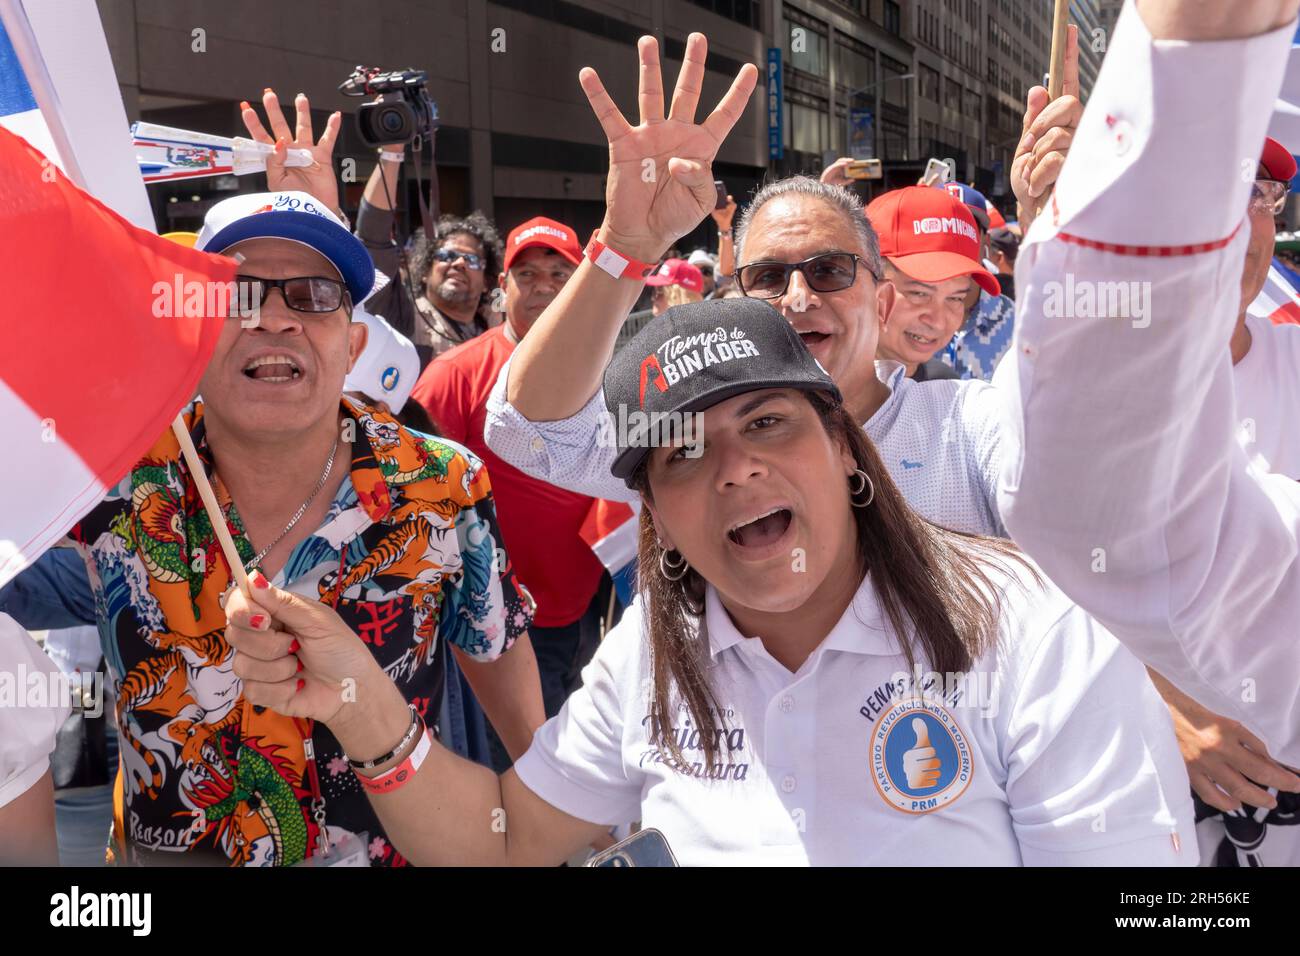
(302, 510)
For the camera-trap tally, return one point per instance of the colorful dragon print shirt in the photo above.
(409, 555)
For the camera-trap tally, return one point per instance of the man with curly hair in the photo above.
(443, 299)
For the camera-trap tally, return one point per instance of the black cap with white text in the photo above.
(694, 356)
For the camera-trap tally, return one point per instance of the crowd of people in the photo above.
(928, 571)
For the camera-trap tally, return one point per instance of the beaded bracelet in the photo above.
(402, 774)
(411, 731)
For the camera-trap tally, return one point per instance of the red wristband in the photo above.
(403, 773)
(615, 263)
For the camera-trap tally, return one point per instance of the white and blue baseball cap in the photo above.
(296, 217)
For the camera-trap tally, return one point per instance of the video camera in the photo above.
(404, 111)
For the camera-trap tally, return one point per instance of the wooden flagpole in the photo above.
(1056, 68)
(210, 503)
(1055, 73)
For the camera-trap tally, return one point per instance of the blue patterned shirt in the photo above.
(976, 349)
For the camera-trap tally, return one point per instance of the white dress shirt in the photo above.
(1054, 749)
(1126, 481)
(941, 442)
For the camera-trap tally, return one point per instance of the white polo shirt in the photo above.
(1053, 750)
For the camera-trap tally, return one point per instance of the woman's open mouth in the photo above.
(762, 531)
(273, 369)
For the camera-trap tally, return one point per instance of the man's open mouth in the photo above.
(921, 340)
(763, 529)
(812, 338)
(273, 368)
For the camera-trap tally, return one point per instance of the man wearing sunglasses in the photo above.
(332, 500)
(458, 269)
(803, 246)
(1266, 357)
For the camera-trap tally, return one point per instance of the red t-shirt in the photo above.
(539, 522)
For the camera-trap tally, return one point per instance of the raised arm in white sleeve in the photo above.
(573, 453)
(1125, 481)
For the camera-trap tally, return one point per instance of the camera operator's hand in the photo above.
(661, 172)
(318, 179)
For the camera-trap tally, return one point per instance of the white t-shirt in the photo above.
(28, 722)
(1055, 749)
(1267, 384)
(940, 441)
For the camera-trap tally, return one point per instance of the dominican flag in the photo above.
(1278, 301)
(611, 532)
(91, 374)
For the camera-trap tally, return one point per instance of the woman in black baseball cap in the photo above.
(812, 673)
(758, 483)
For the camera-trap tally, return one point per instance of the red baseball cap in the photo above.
(929, 235)
(1277, 160)
(677, 272)
(540, 231)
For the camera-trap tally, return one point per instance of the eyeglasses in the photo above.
(1268, 196)
(473, 262)
(828, 272)
(316, 294)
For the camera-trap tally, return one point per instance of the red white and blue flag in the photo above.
(611, 532)
(89, 377)
(1278, 301)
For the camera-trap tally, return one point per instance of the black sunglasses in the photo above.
(828, 272)
(315, 294)
(472, 261)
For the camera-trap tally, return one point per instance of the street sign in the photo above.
(999, 178)
(862, 134)
(775, 115)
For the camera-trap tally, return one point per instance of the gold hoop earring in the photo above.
(666, 566)
(864, 482)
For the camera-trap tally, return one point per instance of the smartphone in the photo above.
(863, 169)
(936, 172)
(643, 848)
(721, 187)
